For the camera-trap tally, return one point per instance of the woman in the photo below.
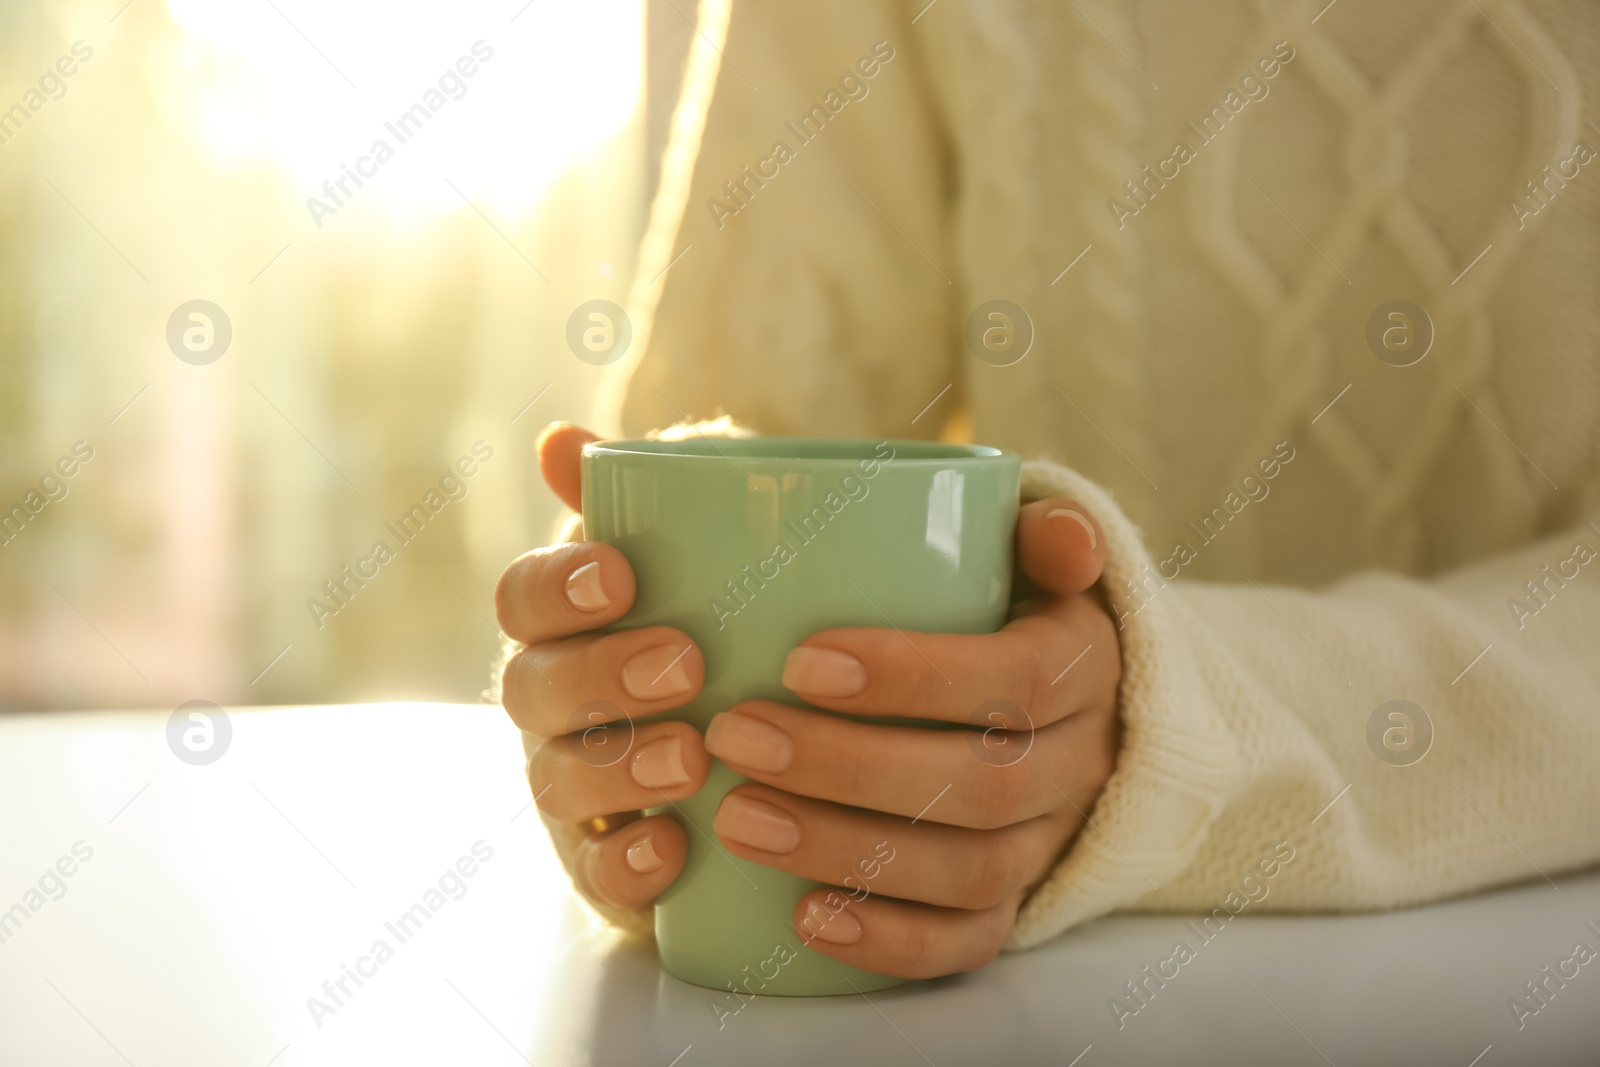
(1292, 311)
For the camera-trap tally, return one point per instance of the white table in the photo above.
(219, 898)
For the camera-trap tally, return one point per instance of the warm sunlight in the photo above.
(507, 98)
(390, 212)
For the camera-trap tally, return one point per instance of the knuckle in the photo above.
(507, 678)
(503, 597)
(1039, 671)
(510, 590)
(589, 873)
(519, 595)
(536, 775)
(912, 949)
(544, 772)
(1002, 794)
(921, 686)
(901, 681)
(1028, 652)
(582, 870)
(992, 877)
(514, 692)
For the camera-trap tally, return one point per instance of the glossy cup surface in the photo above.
(749, 545)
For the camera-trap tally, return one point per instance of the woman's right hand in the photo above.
(568, 681)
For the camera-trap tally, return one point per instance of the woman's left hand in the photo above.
(934, 836)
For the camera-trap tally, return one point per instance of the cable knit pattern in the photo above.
(1222, 321)
(1101, 142)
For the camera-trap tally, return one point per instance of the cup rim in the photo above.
(728, 449)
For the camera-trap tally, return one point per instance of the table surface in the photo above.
(216, 901)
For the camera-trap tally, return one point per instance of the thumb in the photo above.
(1059, 545)
(559, 446)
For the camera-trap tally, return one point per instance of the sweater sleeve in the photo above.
(1247, 714)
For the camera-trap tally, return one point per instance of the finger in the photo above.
(629, 867)
(556, 687)
(970, 778)
(867, 852)
(563, 590)
(625, 767)
(559, 446)
(950, 676)
(898, 938)
(1060, 546)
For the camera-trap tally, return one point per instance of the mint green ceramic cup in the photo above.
(749, 545)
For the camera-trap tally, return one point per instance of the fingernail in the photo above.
(748, 742)
(824, 672)
(1078, 517)
(839, 929)
(641, 855)
(657, 672)
(659, 765)
(584, 590)
(756, 824)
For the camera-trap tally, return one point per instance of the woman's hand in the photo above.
(935, 836)
(568, 681)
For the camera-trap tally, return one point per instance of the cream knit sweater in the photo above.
(1428, 533)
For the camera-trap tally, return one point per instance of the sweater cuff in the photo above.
(1178, 760)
